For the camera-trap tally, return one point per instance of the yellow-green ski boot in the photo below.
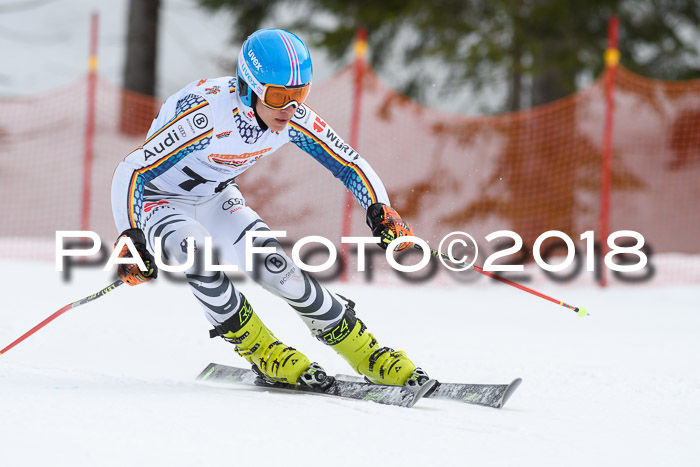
(271, 359)
(379, 365)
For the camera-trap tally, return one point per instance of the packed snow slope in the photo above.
(111, 383)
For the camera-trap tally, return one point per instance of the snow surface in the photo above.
(111, 383)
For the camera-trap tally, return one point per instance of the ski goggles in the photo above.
(280, 97)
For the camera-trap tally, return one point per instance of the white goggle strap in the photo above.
(249, 77)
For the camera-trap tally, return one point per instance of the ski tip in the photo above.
(428, 386)
(207, 372)
(510, 390)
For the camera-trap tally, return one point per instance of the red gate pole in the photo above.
(358, 74)
(89, 124)
(612, 58)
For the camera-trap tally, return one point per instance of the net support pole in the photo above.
(358, 73)
(89, 125)
(612, 58)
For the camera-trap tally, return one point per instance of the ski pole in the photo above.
(580, 311)
(70, 306)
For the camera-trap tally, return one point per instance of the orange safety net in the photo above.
(527, 172)
(42, 161)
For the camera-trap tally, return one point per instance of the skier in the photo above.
(181, 183)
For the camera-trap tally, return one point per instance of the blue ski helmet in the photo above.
(276, 65)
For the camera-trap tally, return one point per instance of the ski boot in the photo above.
(272, 361)
(379, 365)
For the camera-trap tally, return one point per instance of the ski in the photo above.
(489, 395)
(357, 390)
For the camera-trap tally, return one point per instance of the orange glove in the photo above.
(386, 224)
(130, 273)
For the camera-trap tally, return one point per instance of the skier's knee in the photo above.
(183, 245)
(275, 271)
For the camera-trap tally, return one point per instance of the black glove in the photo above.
(386, 224)
(130, 273)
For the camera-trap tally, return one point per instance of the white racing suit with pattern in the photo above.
(180, 184)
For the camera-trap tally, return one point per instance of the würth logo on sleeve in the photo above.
(319, 125)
